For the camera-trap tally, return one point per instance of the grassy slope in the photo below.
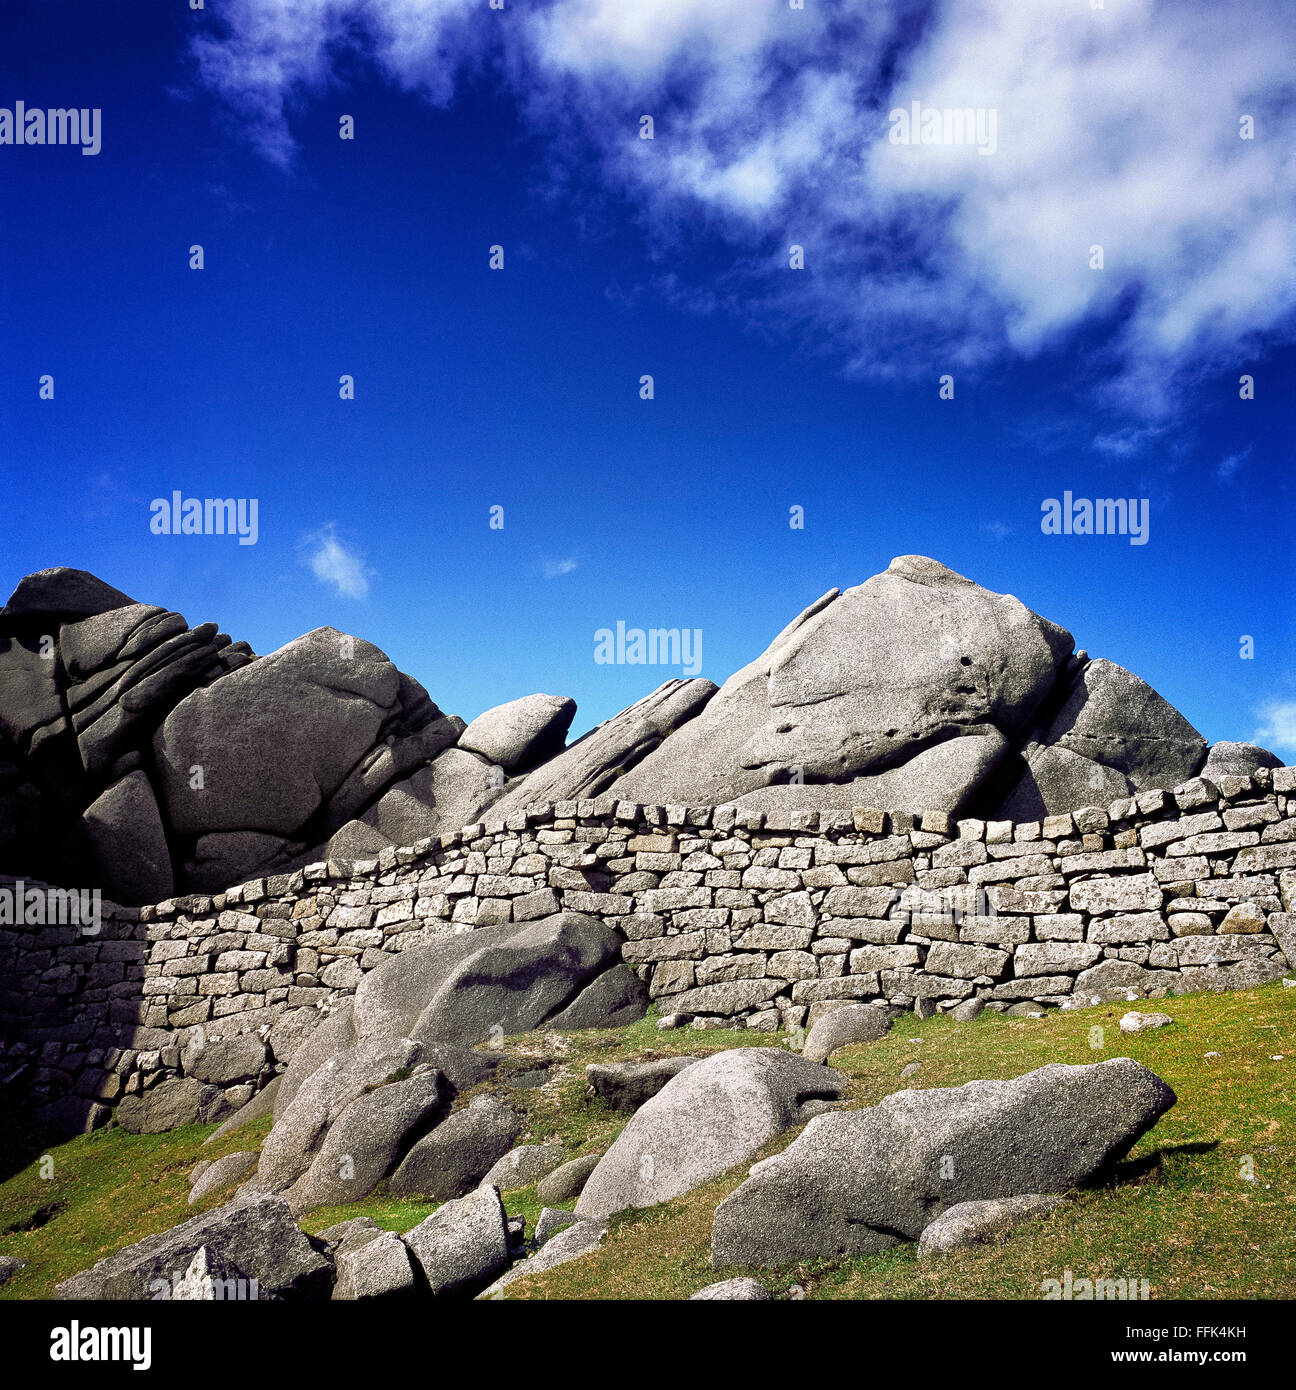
(1181, 1216)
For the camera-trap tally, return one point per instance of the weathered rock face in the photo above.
(126, 740)
(462, 1245)
(858, 1181)
(459, 1152)
(1113, 735)
(628, 1085)
(709, 1117)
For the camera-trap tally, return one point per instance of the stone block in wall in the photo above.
(1059, 926)
(1169, 871)
(845, 987)
(1008, 897)
(791, 909)
(749, 966)
(684, 946)
(866, 959)
(994, 931)
(856, 901)
(966, 962)
(1004, 870)
(1055, 957)
(766, 936)
(1131, 893)
(529, 907)
(1104, 861)
(1206, 950)
(1129, 926)
(1214, 842)
(913, 984)
(731, 997)
(1265, 858)
(894, 871)
(670, 977)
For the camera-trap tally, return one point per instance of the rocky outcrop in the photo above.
(125, 736)
(361, 1099)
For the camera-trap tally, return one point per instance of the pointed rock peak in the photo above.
(922, 569)
(69, 592)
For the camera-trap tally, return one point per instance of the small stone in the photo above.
(1135, 1022)
(970, 1223)
(745, 1290)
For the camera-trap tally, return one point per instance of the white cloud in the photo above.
(1227, 468)
(1278, 733)
(1116, 127)
(335, 563)
(554, 568)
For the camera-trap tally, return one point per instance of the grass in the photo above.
(1180, 1213)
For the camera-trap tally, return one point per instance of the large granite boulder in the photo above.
(128, 842)
(302, 717)
(462, 1245)
(253, 1238)
(459, 1152)
(858, 1181)
(863, 681)
(302, 1126)
(521, 733)
(1227, 759)
(63, 592)
(367, 1138)
(1113, 734)
(708, 1118)
(508, 978)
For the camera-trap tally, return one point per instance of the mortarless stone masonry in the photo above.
(759, 920)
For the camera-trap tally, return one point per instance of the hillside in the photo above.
(1179, 1212)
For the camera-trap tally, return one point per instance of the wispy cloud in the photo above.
(1278, 732)
(1227, 468)
(1118, 128)
(335, 563)
(554, 568)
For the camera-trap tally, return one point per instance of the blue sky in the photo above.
(774, 388)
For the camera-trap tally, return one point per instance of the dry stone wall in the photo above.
(758, 920)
